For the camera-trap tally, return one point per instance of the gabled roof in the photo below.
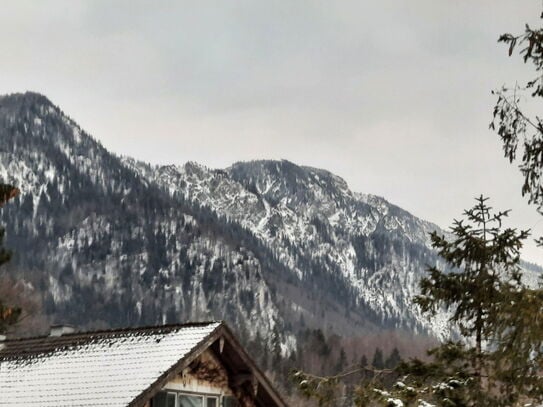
(115, 368)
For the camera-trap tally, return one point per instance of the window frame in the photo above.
(218, 397)
(174, 397)
(202, 396)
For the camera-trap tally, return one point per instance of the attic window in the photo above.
(169, 399)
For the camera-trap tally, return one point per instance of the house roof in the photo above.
(115, 368)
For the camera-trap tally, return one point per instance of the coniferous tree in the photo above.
(363, 361)
(342, 361)
(483, 279)
(378, 361)
(8, 315)
(276, 346)
(393, 359)
(484, 270)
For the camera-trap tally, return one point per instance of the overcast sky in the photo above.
(392, 95)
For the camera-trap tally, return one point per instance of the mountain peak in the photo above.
(19, 105)
(193, 167)
(25, 98)
(284, 179)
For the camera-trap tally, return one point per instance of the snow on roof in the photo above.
(109, 368)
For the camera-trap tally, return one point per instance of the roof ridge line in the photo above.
(127, 329)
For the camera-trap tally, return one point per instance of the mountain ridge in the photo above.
(270, 246)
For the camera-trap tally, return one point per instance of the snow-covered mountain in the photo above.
(269, 246)
(316, 226)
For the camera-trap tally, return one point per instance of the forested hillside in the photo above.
(275, 249)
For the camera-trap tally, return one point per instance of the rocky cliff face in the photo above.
(269, 246)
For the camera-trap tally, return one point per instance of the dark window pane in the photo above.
(212, 402)
(163, 399)
(190, 401)
(170, 400)
(159, 400)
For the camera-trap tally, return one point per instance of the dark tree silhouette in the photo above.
(8, 315)
(520, 131)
